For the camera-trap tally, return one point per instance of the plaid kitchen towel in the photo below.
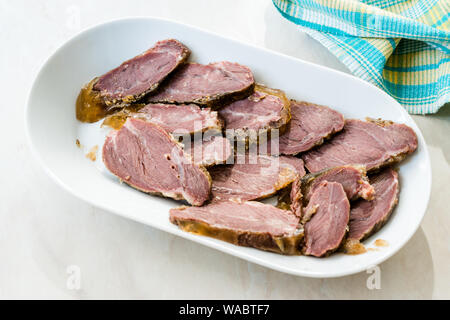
(402, 46)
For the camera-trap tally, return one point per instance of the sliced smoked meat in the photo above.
(249, 224)
(366, 217)
(142, 74)
(258, 114)
(352, 177)
(210, 151)
(254, 177)
(211, 85)
(147, 158)
(172, 118)
(372, 143)
(327, 216)
(310, 125)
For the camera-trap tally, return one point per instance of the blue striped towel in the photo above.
(401, 46)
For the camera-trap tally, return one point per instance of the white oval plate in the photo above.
(52, 131)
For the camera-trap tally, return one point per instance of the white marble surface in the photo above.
(43, 230)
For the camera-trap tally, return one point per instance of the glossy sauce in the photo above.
(117, 120)
(284, 199)
(281, 204)
(354, 247)
(90, 107)
(92, 154)
(381, 243)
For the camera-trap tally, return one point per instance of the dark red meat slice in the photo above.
(328, 211)
(266, 109)
(142, 74)
(310, 125)
(366, 217)
(147, 158)
(373, 143)
(250, 224)
(210, 85)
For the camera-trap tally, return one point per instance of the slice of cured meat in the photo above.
(249, 224)
(352, 177)
(142, 74)
(147, 158)
(366, 217)
(328, 212)
(212, 85)
(266, 109)
(172, 118)
(130, 81)
(310, 125)
(372, 143)
(255, 177)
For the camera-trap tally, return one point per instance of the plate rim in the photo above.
(197, 239)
